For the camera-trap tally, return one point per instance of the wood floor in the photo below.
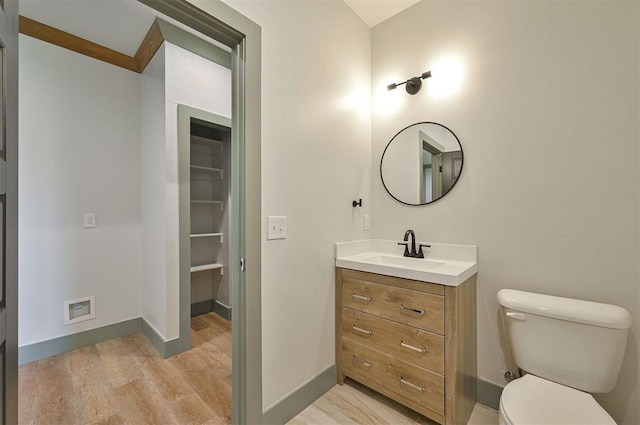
(355, 404)
(125, 381)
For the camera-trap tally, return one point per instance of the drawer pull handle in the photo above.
(412, 310)
(361, 297)
(361, 330)
(414, 386)
(362, 362)
(411, 347)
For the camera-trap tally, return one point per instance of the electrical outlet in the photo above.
(90, 220)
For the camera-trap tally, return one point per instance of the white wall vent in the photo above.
(79, 309)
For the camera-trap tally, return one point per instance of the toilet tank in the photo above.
(572, 342)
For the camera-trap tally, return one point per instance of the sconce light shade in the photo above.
(412, 85)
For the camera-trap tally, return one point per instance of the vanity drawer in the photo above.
(413, 386)
(416, 346)
(407, 306)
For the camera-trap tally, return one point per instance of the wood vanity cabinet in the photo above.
(412, 341)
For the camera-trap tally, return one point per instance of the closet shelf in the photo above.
(206, 173)
(206, 235)
(215, 145)
(204, 202)
(204, 267)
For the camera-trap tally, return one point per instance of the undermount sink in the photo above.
(444, 264)
(410, 263)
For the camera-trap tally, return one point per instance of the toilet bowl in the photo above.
(535, 401)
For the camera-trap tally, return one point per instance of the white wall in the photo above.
(197, 82)
(153, 182)
(79, 152)
(315, 162)
(549, 91)
(174, 76)
(402, 166)
(97, 138)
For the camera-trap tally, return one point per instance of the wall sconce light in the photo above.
(413, 85)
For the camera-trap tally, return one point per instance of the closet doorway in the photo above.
(207, 226)
(217, 20)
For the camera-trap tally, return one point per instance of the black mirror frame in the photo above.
(396, 135)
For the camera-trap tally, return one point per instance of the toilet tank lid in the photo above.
(587, 312)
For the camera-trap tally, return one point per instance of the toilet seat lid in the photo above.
(532, 401)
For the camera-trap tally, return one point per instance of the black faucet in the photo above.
(412, 253)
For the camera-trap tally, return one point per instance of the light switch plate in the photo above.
(367, 222)
(90, 220)
(276, 227)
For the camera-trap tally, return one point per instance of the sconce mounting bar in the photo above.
(413, 84)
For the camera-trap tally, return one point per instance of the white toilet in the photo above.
(569, 348)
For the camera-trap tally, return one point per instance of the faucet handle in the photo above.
(420, 254)
(406, 248)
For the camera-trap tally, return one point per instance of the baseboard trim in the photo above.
(222, 310)
(208, 306)
(202, 307)
(52, 347)
(165, 348)
(298, 400)
(489, 394)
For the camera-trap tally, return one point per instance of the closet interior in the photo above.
(210, 166)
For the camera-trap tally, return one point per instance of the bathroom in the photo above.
(542, 82)
(543, 90)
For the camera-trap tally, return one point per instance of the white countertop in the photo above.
(445, 264)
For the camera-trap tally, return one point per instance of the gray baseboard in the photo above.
(165, 348)
(296, 402)
(489, 394)
(208, 306)
(222, 310)
(51, 347)
(201, 307)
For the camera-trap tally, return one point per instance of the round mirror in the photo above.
(421, 163)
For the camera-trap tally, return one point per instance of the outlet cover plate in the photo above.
(367, 222)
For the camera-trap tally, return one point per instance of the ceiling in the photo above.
(373, 12)
(117, 24)
(121, 25)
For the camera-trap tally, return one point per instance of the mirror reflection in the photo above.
(421, 163)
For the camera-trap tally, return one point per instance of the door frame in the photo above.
(9, 314)
(186, 115)
(224, 24)
(436, 150)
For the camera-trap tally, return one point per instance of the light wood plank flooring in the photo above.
(355, 404)
(125, 381)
